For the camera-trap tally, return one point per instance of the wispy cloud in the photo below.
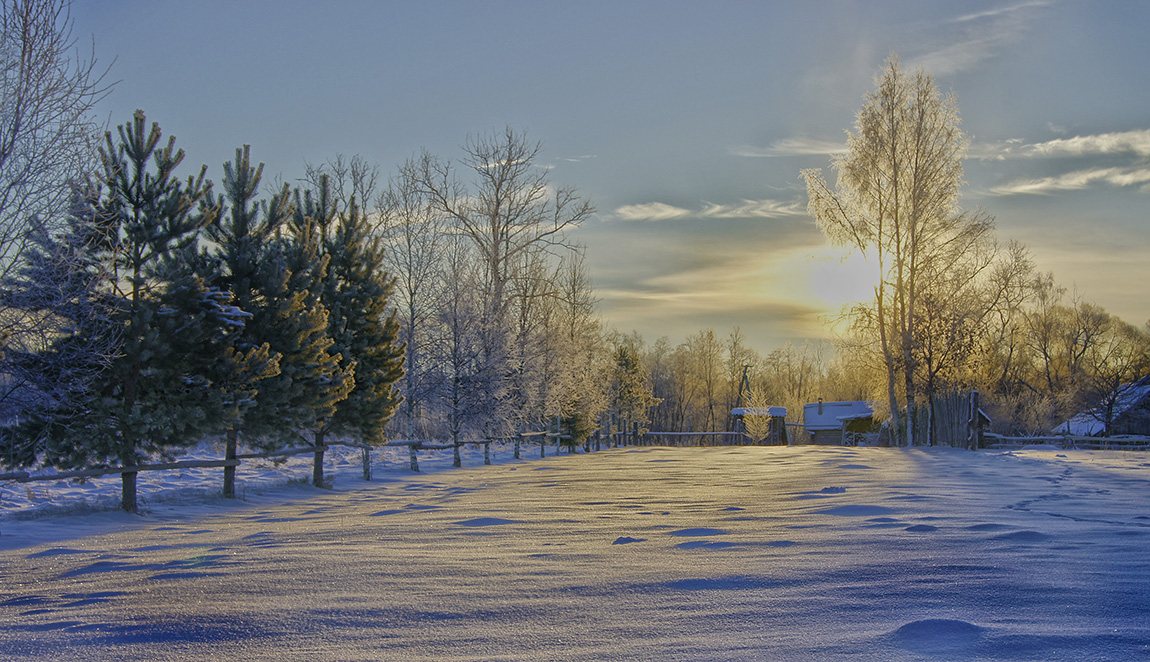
(651, 211)
(798, 146)
(1126, 142)
(754, 209)
(973, 38)
(1077, 180)
(658, 211)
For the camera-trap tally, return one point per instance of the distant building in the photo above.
(774, 417)
(1130, 413)
(838, 423)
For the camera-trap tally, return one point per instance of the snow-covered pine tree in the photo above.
(58, 285)
(153, 396)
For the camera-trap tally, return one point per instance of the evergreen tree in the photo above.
(328, 377)
(358, 289)
(242, 237)
(356, 292)
(58, 285)
(631, 394)
(168, 326)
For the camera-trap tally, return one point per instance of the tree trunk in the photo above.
(128, 493)
(317, 460)
(128, 480)
(230, 471)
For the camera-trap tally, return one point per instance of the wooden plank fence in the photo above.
(1069, 442)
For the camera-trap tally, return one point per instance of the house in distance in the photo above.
(838, 423)
(1127, 409)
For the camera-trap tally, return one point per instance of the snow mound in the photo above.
(937, 635)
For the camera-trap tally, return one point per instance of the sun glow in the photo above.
(839, 278)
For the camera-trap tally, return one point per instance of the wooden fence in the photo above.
(1070, 442)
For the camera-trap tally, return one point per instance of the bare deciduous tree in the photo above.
(48, 139)
(413, 232)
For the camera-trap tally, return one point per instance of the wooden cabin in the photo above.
(838, 423)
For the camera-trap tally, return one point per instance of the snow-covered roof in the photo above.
(1090, 422)
(778, 412)
(831, 415)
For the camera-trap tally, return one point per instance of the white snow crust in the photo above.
(724, 553)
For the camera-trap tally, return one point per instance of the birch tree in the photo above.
(414, 235)
(510, 214)
(895, 197)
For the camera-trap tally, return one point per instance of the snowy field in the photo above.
(728, 553)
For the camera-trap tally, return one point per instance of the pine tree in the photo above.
(166, 324)
(242, 237)
(58, 286)
(326, 376)
(363, 330)
(631, 394)
(366, 336)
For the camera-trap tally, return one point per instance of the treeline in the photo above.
(159, 313)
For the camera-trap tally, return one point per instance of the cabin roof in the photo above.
(834, 414)
(777, 412)
(1090, 422)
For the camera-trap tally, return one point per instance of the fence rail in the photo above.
(1070, 442)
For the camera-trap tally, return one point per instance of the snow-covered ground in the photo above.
(728, 553)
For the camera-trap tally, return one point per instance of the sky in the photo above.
(685, 124)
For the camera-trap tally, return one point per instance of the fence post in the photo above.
(974, 425)
(487, 452)
(635, 433)
(412, 448)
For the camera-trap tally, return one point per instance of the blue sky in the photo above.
(685, 123)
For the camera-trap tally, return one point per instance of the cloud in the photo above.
(754, 209)
(658, 211)
(799, 146)
(1126, 142)
(651, 211)
(973, 38)
(1077, 180)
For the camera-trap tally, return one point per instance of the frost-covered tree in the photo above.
(61, 285)
(49, 144)
(170, 328)
(513, 217)
(414, 235)
(896, 197)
